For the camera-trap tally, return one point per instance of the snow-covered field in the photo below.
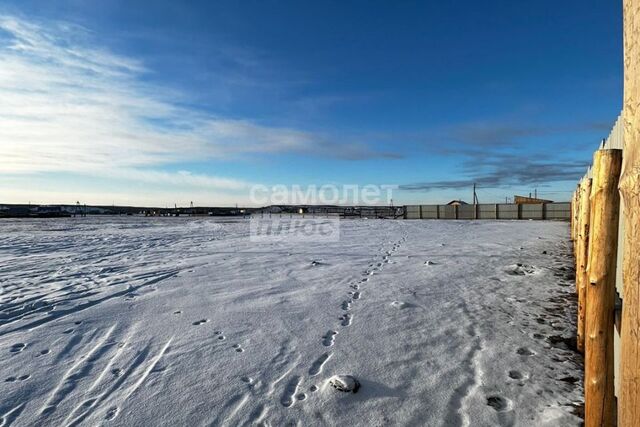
(185, 321)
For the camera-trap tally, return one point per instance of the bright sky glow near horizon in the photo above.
(163, 102)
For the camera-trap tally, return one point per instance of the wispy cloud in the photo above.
(69, 106)
(506, 171)
(507, 154)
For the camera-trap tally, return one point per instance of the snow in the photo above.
(186, 321)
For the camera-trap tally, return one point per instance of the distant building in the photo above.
(15, 211)
(523, 200)
(457, 203)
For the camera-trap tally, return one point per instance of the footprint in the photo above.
(516, 375)
(247, 380)
(45, 351)
(329, 338)
(301, 396)
(499, 403)
(17, 348)
(356, 287)
(288, 397)
(313, 388)
(346, 305)
(111, 414)
(400, 305)
(523, 351)
(316, 367)
(68, 331)
(177, 312)
(24, 377)
(356, 295)
(10, 380)
(200, 322)
(520, 269)
(346, 319)
(238, 348)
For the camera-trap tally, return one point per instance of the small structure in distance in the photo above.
(524, 200)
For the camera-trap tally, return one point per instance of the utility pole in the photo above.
(475, 195)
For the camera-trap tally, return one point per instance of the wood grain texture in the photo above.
(629, 393)
(600, 290)
(582, 257)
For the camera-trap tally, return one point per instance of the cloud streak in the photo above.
(499, 170)
(68, 106)
(507, 154)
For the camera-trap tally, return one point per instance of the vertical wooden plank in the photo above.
(497, 215)
(420, 211)
(629, 393)
(582, 258)
(599, 322)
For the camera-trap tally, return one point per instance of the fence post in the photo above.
(599, 325)
(497, 215)
(574, 218)
(455, 210)
(420, 211)
(437, 211)
(519, 209)
(544, 211)
(582, 257)
(629, 393)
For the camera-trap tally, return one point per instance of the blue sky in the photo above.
(168, 102)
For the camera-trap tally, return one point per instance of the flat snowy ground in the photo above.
(184, 321)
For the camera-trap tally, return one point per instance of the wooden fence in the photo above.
(605, 286)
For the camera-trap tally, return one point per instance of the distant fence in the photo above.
(543, 211)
